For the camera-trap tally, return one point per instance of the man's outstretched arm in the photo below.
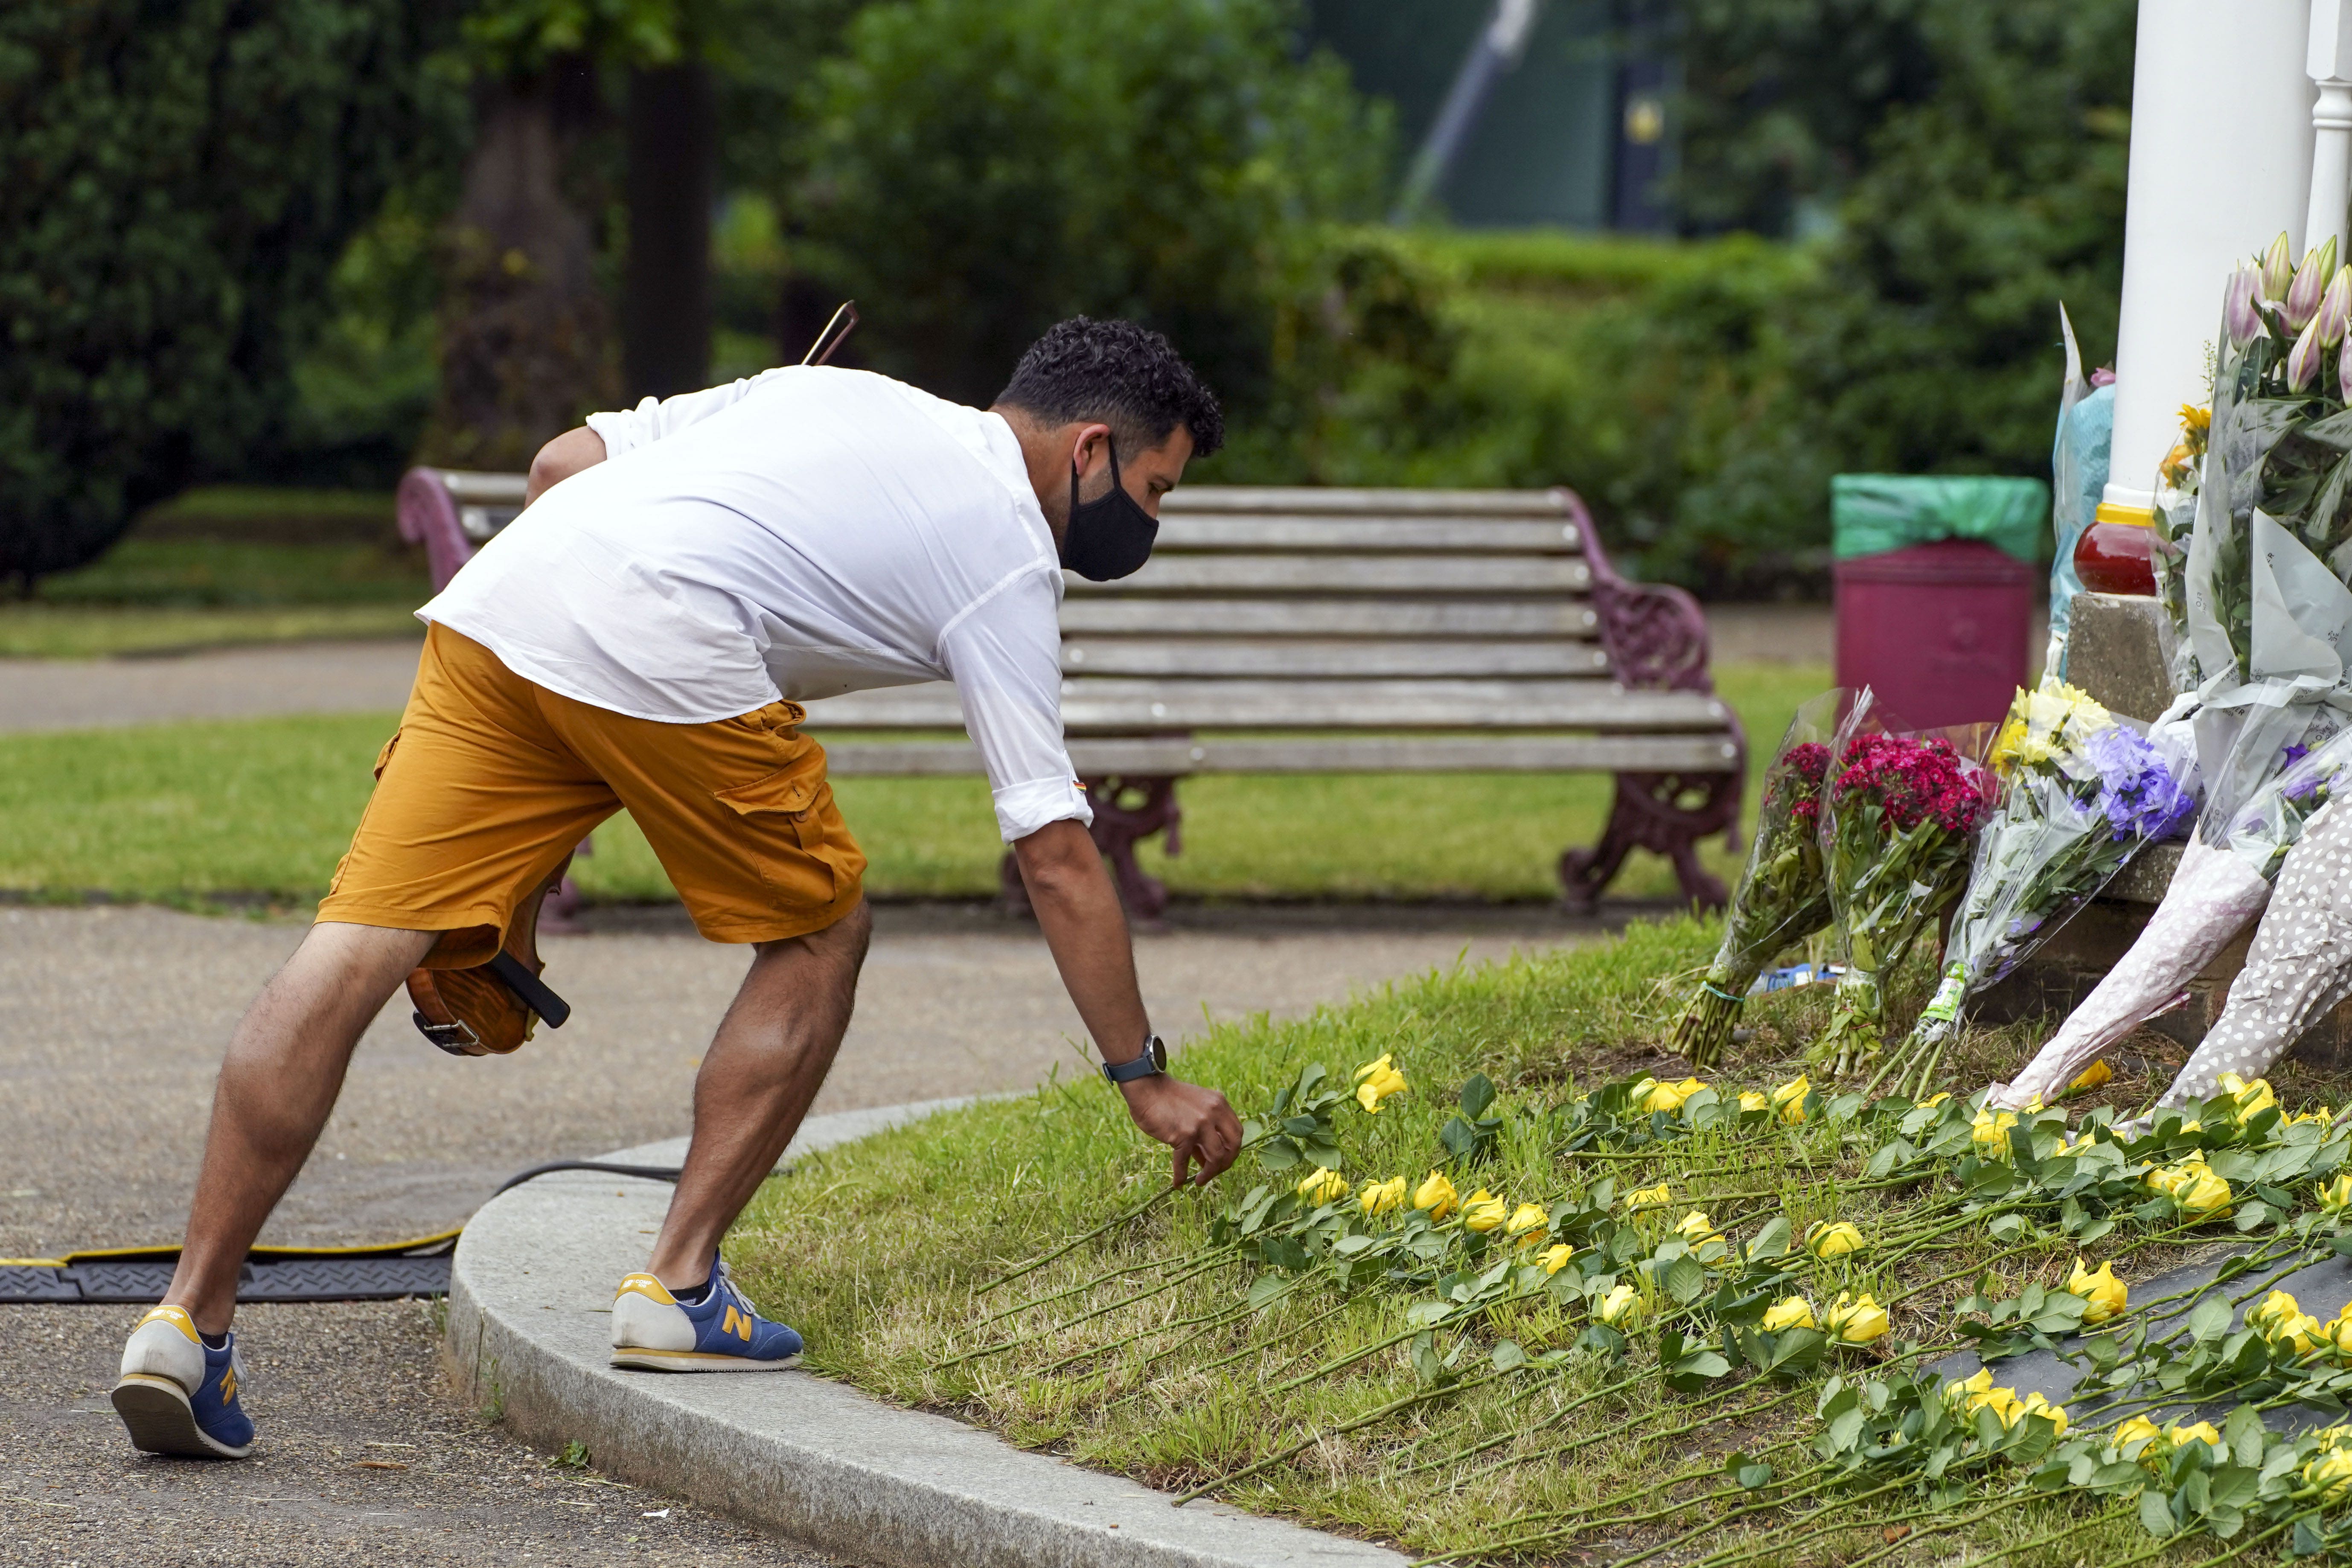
(1078, 910)
(561, 458)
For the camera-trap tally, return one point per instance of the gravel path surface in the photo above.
(111, 1023)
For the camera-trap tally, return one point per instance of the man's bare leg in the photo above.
(763, 1068)
(277, 1088)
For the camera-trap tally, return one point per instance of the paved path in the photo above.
(111, 1022)
(355, 677)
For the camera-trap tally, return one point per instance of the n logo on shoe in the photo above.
(228, 1385)
(736, 1323)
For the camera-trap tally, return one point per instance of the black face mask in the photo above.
(1110, 536)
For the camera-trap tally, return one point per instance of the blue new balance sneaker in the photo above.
(178, 1395)
(655, 1331)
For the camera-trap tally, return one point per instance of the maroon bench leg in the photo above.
(1127, 811)
(1666, 814)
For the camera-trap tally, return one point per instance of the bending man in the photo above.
(684, 576)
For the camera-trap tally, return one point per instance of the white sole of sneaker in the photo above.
(162, 1421)
(696, 1361)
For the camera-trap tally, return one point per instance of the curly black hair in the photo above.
(1129, 377)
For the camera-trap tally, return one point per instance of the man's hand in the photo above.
(1195, 1122)
(1078, 910)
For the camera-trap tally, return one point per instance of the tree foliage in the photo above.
(978, 169)
(176, 184)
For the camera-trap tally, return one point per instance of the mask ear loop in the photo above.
(1110, 444)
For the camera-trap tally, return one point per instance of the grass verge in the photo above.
(1151, 1351)
(266, 806)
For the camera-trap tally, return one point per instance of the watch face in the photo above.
(1157, 1048)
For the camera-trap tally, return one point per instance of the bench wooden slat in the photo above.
(1319, 501)
(1138, 758)
(1368, 535)
(1380, 618)
(1331, 658)
(1117, 705)
(1417, 576)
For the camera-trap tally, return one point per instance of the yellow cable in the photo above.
(160, 1253)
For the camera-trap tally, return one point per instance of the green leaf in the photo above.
(1477, 1094)
(2156, 1513)
(1507, 1356)
(2211, 1320)
(1685, 1280)
(1277, 1154)
(1772, 1241)
(1264, 1288)
(1753, 1476)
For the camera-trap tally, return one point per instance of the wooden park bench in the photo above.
(1324, 631)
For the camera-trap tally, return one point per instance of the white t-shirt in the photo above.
(801, 534)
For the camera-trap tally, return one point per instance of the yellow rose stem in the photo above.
(1199, 1323)
(2001, 1505)
(1456, 1457)
(1213, 1261)
(1084, 1284)
(1962, 1523)
(1514, 1461)
(1138, 1212)
(2240, 1550)
(1419, 1396)
(1251, 1349)
(1717, 1523)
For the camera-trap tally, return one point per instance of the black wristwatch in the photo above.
(1152, 1059)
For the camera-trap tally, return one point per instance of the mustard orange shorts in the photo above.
(491, 781)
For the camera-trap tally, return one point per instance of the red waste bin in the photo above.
(1938, 631)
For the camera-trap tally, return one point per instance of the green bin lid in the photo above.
(1872, 513)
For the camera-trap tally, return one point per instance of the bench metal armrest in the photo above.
(1655, 635)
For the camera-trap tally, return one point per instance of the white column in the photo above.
(2329, 64)
(2220, 162)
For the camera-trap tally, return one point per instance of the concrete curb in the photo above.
(529, 1310)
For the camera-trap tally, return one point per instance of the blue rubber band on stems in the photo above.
(1713, 990)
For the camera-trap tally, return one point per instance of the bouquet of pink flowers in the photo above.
(1783, 897)
(1900, 817)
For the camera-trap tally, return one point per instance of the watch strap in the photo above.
(1152, 1059)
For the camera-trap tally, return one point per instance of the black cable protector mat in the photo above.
(290, 1279)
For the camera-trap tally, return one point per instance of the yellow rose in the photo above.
(2138, 1429)
(1485, 1212)
(2092, 1076)
(1990, 1131)
(1832, 1239)
(1856, 1320)
(2202, 1432)
(2335, 1335)
(1789, 1312)
(1437, 1196)
(2203, 1196)
(1528, 1224)
(1324, 1187)
(1555, 1258)
(2271, 1309)
(1620, 1309)
(1641, 1198)
(1650, 1095)
(2331, 1472)
(1749, 1099)
(2003, 1402)
(2248, 1098)
(2107, 1295)
(1696, 1227)
(1375, 1081)
(1936, 1098)
(1964, 1392)
(2280, 1320)
(2055, 1413)
(2336, 1194)
(1383, 1197)
(1789, 1099)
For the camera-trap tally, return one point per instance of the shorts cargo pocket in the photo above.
(785, 816)
(382, 760)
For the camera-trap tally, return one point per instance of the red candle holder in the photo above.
(2115, 554)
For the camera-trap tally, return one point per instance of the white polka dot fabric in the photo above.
(2214, 895)
(2299, 967)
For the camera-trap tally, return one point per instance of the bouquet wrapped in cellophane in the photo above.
(1783, 897)
(2218, 889)
(1898, 821)
(2081, 795)
(2268, 613)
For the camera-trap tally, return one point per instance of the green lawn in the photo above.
(1279, 1368)
(265, 806)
